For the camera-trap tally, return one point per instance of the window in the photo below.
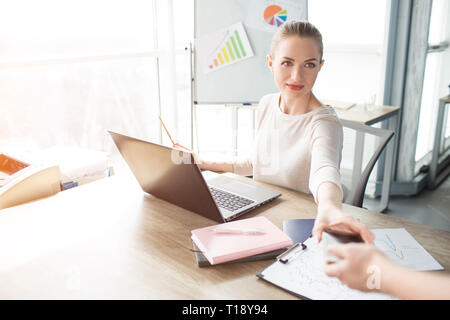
(70, 70)
(436, 81)
(354, 33)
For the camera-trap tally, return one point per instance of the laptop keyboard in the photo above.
(229, 201)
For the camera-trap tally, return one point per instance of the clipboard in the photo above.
(299, 271)
(284, 258)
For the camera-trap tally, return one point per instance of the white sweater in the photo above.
(294, 151)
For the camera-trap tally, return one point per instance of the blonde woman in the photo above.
(299, 140)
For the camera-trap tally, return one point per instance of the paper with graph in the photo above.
(403, 249)
(223, 48)
(304, 273)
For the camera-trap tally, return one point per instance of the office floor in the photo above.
(430, 207)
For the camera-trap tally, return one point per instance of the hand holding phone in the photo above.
(331, 237)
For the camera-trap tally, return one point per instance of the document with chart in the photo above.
(403, 249)
(303, 274)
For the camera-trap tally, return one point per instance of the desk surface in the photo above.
(109, 240)
(446, 99)
(359, 114)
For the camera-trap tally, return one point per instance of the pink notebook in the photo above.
(223, 247)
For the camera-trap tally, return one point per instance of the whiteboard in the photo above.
(248, 80)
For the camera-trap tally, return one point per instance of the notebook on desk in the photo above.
(202, 261)
(224, 247)
(298, 229)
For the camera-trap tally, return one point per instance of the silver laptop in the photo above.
(172, 175)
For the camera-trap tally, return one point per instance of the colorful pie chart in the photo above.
(275, 15)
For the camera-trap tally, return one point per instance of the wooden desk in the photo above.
(359, 114)
(108, 240)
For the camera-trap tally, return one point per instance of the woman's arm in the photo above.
(365, 268)
(324, 181)
(216, 166)
(238, 166)
(242, 166)
(331, 216)
(409, 284)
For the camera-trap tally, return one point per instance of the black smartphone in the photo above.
(330, 237)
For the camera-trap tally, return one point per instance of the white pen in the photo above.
(247, 231)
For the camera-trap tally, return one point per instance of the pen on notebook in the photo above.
(247, 231)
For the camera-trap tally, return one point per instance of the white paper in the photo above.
(280, 11)
(223, 48)
(76, 164)
(403, 249)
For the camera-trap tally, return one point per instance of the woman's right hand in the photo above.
(332, 218)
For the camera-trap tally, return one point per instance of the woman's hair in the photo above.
(302, 29)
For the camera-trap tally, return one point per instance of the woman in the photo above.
(299, 140)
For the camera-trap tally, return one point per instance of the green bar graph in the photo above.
(240, 43)
(235, 47)
(232, 46)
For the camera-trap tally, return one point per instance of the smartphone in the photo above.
(330, 238)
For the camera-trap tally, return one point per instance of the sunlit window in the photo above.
(70, 70)
(436, 80)
(353, 34)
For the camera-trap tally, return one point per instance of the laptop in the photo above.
(172, 175)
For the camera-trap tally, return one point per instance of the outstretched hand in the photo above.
(333, 219)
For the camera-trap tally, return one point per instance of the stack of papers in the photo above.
(78, 165)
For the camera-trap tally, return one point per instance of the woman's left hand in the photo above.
(360, 266)
(334, 219)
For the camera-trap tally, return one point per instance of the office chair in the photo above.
(355, 195)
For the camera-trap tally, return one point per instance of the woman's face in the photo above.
(295, 64)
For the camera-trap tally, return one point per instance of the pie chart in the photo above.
(275, 15)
